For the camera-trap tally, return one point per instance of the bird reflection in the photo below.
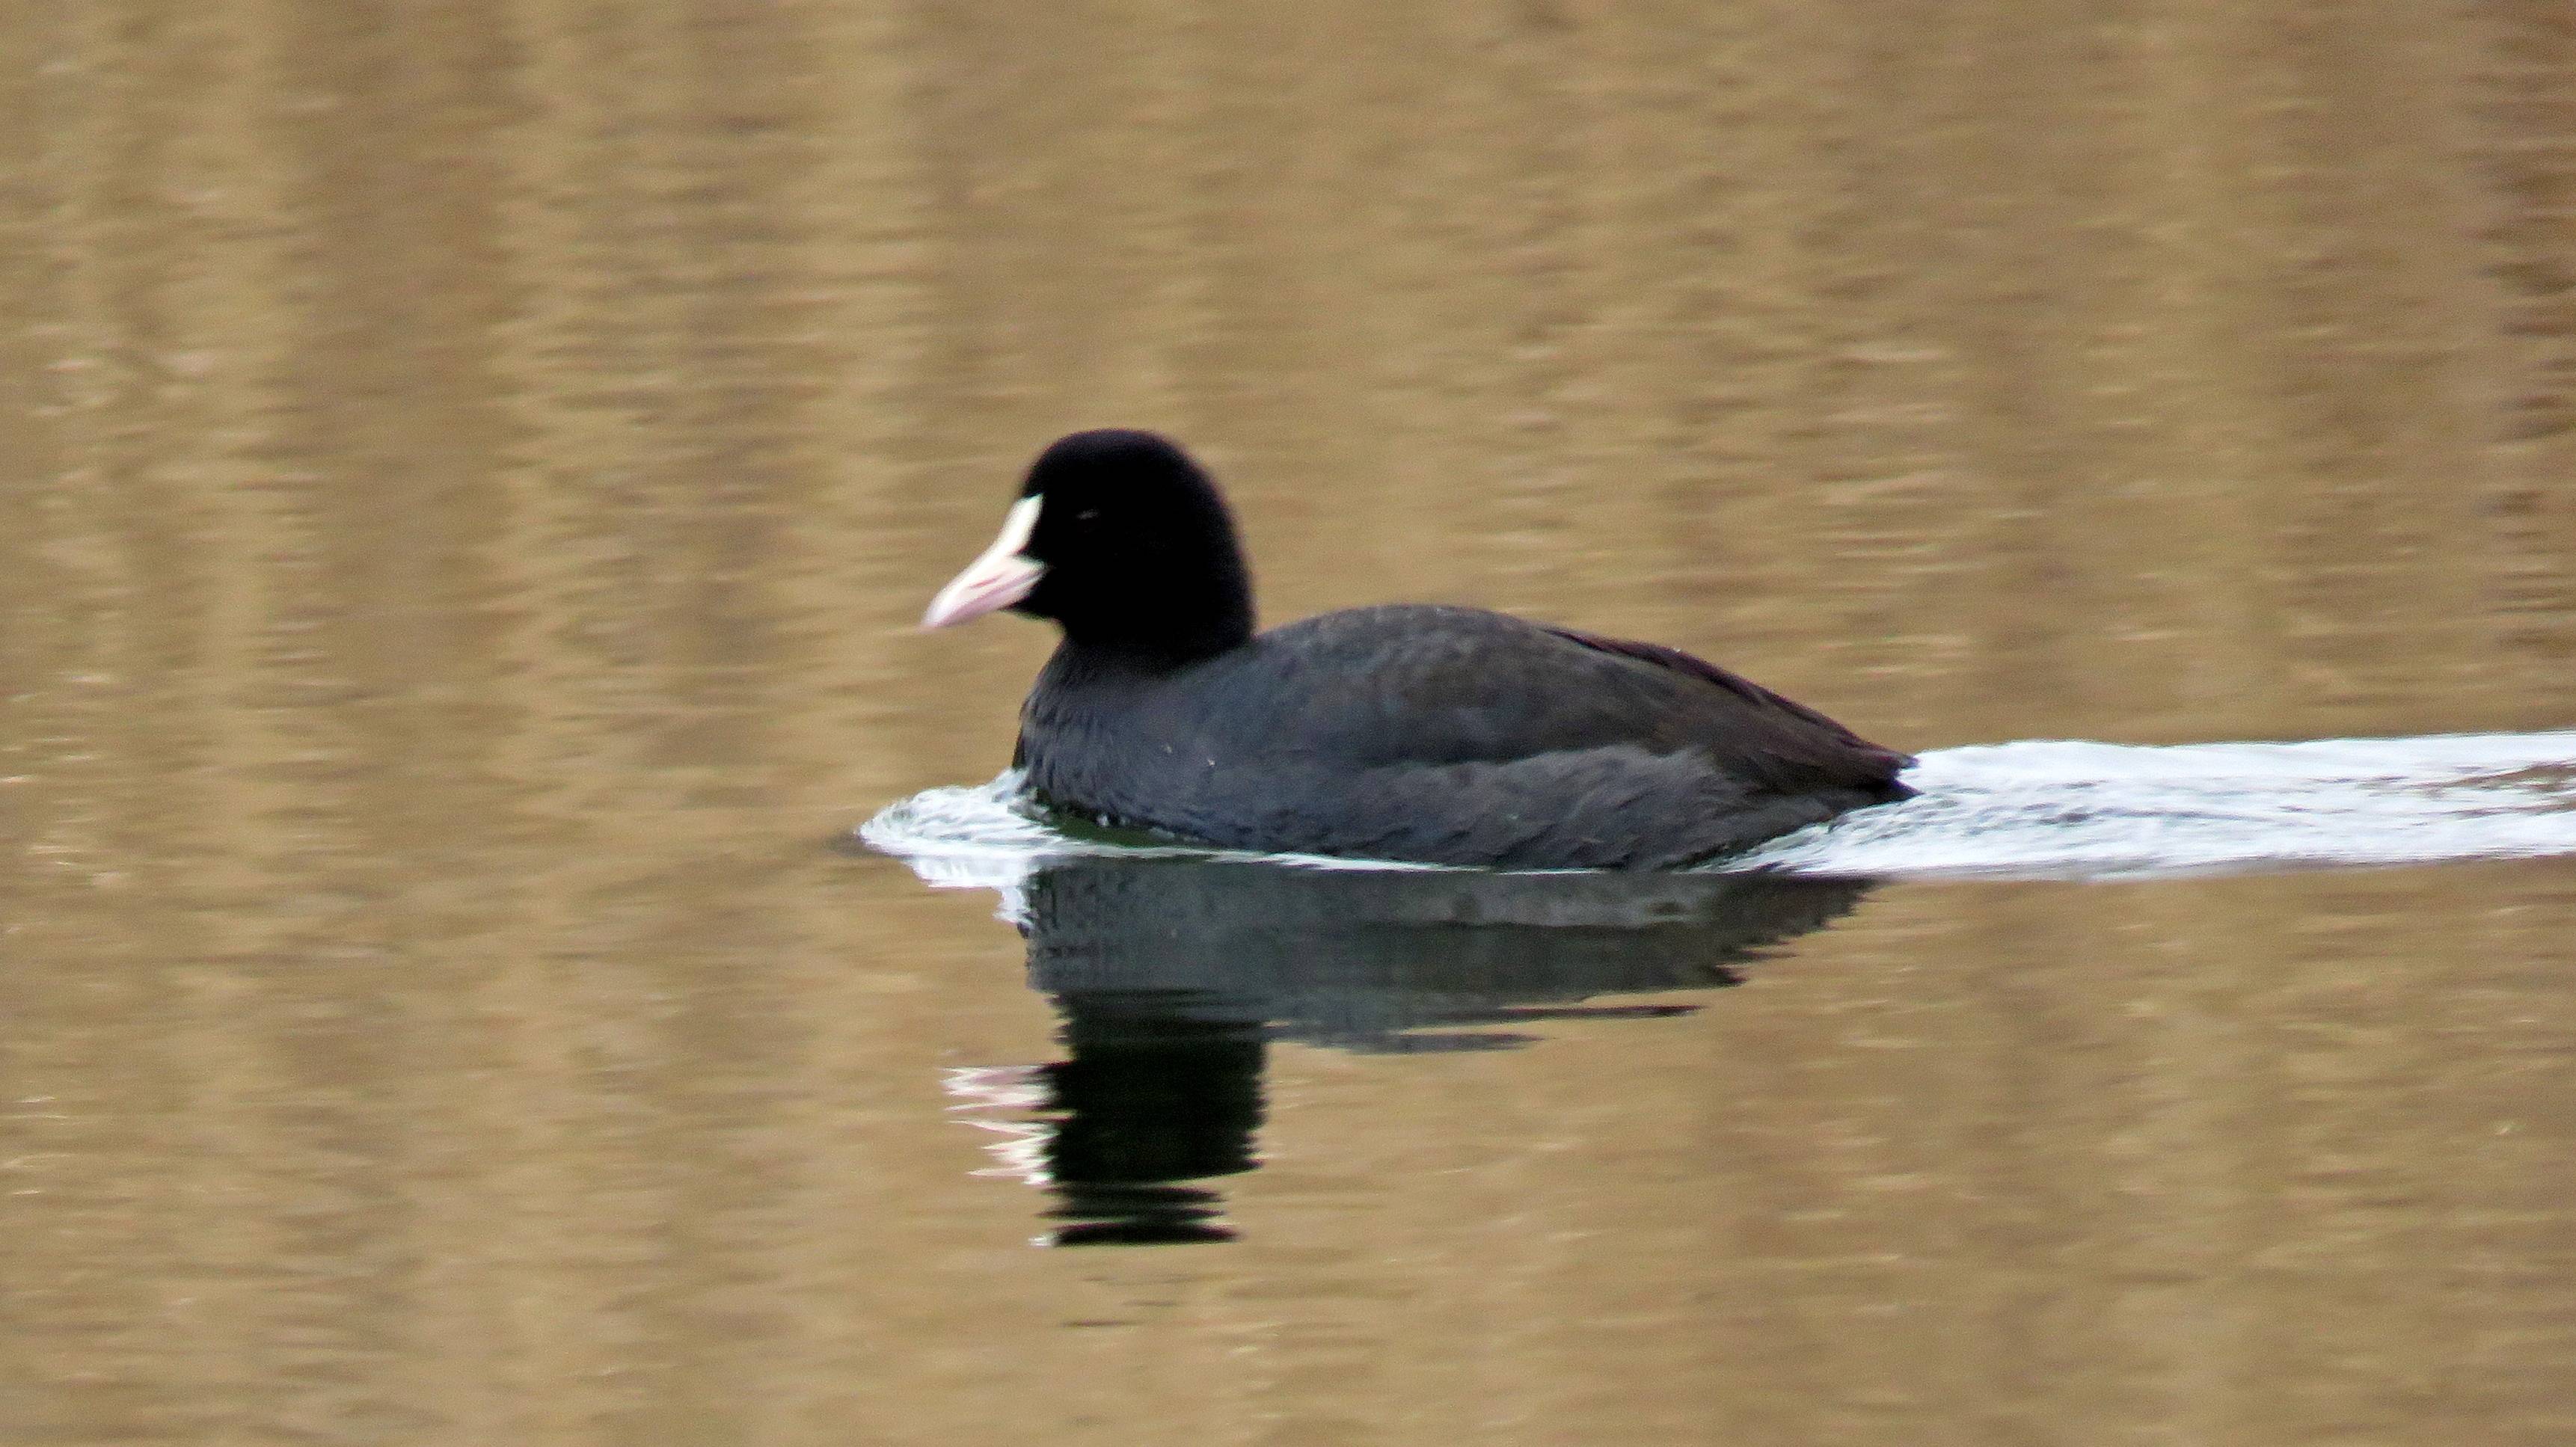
(1173, 976)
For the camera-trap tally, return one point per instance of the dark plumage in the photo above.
(1435, 734)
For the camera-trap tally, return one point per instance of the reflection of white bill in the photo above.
(2041, 809)
(1020, 1151)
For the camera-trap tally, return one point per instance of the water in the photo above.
(470, 473)
(1173, 969)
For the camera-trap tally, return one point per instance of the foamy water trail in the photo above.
(2038, 809)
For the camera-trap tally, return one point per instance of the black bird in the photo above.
(1404, 732)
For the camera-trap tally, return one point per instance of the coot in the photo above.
(1410, 732)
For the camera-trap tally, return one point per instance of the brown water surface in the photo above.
(468, 472)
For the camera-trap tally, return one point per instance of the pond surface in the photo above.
(470, 471)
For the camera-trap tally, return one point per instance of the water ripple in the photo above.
(2038, 809)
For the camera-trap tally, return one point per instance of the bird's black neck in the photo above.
(1165, 617)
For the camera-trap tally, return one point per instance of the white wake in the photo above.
(2039, 809)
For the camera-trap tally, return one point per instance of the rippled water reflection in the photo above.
(470, 471)
(1172, 976)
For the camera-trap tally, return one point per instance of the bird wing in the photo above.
(1420, 686)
